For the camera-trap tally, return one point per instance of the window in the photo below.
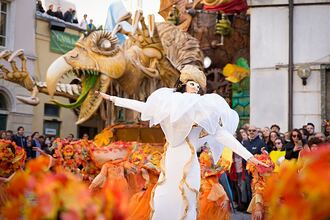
(3, 23)
(51, 110)
(52, 128)
(3, 112)
(3, 103)
(3, 122)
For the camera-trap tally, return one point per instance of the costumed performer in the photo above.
(182, 115)
(214, 202)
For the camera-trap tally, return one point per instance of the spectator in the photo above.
(265, 134)
(91, 26)
(20, 141)
(48, 142)
(304, 133)
(254, 143)
(3, 135)
(245, 136)
(320, 136)
(35, 144)
(272, 137)
(83, 24)
(238, 178)
(242, 130)
(44, 146)
(42, 142)
(266, 138)
(70, 137)
(278, 154)
(9, 135)
(275, 127)
(59, 13)
(85, 137)
(326, 126)
(287, 137)
(241, 136)
(74, 17)
(50, 10)
(29, 146)
(39, 7)
(295, 146)
(314, 142)
(68, 16)
(310, 128)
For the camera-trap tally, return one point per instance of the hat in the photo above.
(192, 73)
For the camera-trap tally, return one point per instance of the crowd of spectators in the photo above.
(32, 142)
(69, 16)
(281, 146)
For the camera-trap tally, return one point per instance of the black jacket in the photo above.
(50, 12)
(59, 15)
(289, 153)
(40, 8)
(254, 146)
(21, 142)
(68, 16)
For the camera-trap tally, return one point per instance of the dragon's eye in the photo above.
(105, 44)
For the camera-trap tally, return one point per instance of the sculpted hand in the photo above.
(257, 162)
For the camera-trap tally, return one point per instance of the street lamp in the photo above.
(304, 72)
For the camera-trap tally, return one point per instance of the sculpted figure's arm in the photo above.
(123, 102)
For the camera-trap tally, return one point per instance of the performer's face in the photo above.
(192, 87)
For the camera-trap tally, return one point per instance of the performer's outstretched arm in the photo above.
(224, 137)
(123, 102)
(227, 139)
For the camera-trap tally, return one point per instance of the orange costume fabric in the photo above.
(139, 205)
(114, 171)
(260, 175)
(146, 159)
(214, 203)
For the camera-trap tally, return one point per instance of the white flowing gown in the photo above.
(182, 117)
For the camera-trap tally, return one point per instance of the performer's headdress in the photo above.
(192, 73)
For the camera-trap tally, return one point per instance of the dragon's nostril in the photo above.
(74, 56)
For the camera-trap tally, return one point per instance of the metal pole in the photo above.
(290, 67)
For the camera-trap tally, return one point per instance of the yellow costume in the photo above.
(275, 156)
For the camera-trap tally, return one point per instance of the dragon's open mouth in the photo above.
(88, 81)
(91, 81)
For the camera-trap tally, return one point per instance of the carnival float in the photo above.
(114, 175)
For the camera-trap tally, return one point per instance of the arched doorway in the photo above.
(4, 110)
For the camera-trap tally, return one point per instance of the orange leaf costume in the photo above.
(214, 203)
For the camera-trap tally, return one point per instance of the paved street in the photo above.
(241, 216)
